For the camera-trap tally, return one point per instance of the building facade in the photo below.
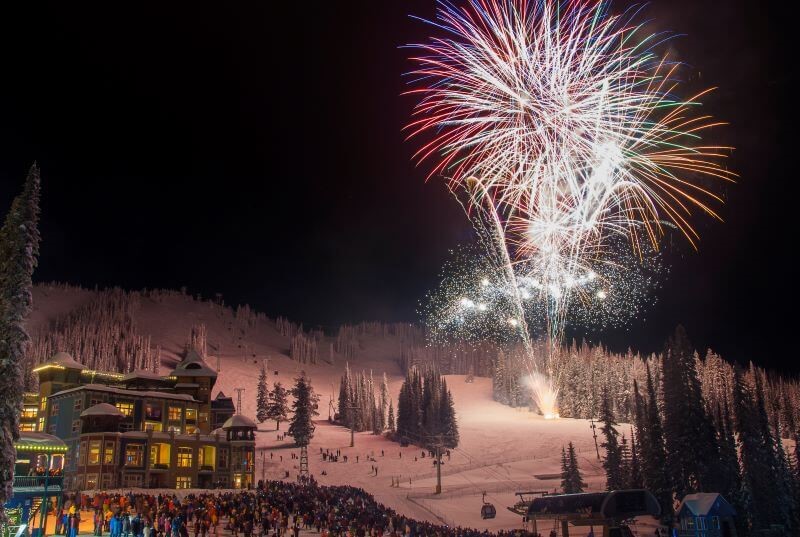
(141, 429)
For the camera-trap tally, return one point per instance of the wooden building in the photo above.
(143, 430)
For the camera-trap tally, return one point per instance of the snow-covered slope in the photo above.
(503, 450)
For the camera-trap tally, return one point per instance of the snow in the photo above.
(502, 450)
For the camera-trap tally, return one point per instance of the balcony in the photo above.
(30, 483)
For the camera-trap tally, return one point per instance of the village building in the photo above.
(143, 430)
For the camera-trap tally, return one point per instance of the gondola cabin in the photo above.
(487, 509)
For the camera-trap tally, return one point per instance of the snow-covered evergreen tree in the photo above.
(278, 406)
(262, 396)
(305, 405)
(19, 252)
(612, 462)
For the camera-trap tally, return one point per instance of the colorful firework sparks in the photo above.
(562, 126)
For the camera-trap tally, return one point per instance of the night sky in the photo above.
(256, 151)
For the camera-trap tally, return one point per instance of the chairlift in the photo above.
(487, 509)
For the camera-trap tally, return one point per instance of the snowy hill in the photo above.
(503, 450)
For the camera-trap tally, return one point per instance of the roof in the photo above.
(239, 420)
(142, 374)
(102, 409)
(705, 504)
(44, 441)
(130, 393)
(193, 366)
(611, 504)
(64, 359)
(187, 385)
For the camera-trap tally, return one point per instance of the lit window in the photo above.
(134, 455)
(183, 482)
(184, 457)
(126, 408)
(41, 425)
(154, 426)
(108, 456)
(30, 412)
(94, 452)
(191, 414)
(44, 403)
(159, 455)
(30, 427)
(175, 413)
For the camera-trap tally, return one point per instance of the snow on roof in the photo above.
(239, 421)
(28, 438)
(142, 374)
(102, 409)
(132, 393)
(193, 366)
(64, 359)
(702, 503)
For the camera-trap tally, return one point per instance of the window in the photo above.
(108, 455)
(30, 412)
(134, 455)
(153, 411)
(191, 429)
(76, 426)
(159, 455)
(174, 429)
(94, 452)
(715, 522)
(223, 458)
(51, 429)
(41, 425)
(184, 457)
(191, 414)
(54, 409)
(126, 407)
(77, 406)
(82, 454)
(44, 403)
(91, 481)
(27, 427)
(154, 426)
(206, 457)
(175, 413)
(133, 480)
(96, 400)
(183, 482)
(689, 523)
(107, 481)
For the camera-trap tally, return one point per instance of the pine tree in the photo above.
(635, 479)
(262, 396)
(19, 252)
(566, 485)
(571, 479)
(278, 406)
(692, 452)
(391, 422)
(612, 462)
(757, 474)
(305, 405)
(344, 397)
(655, 471)
(384, 403)
(447, 418)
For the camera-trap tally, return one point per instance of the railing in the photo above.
(37, 481)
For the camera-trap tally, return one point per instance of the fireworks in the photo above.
(559, 127)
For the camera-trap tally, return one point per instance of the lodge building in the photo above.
(141, 429)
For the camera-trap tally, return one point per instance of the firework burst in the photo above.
(562, 128)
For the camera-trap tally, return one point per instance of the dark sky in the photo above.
(256, 150)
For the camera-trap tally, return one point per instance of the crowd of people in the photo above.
(274, 509)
